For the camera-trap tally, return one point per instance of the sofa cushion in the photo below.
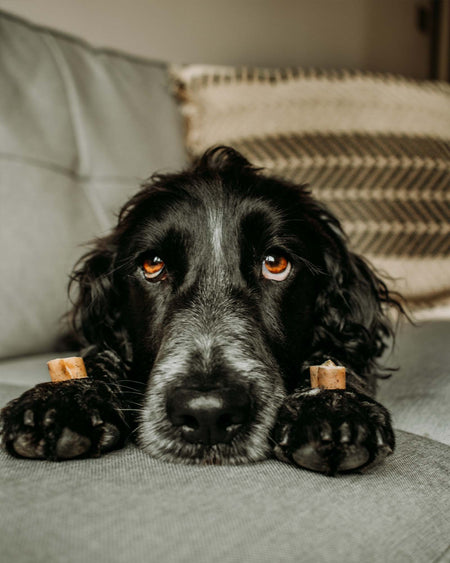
(128, 506)
(418, 394)
(80, 128)
(375, 148)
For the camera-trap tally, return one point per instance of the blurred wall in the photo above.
(367, 34)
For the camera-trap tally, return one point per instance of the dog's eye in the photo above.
(154, 268)
(276, 267)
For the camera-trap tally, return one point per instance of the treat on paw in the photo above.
(327, 376)
(61, 369)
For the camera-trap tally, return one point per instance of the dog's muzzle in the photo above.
(214, 389)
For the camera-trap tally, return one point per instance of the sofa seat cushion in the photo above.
(128, 506)
(418, 394)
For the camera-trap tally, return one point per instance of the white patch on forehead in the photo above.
(215, 222)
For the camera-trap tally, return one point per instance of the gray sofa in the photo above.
(79, 130)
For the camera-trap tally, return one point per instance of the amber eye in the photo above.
(276, 267)
(154, 268)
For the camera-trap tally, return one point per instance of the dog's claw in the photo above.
(280, 454)
(28, 417)
(49, 418)
(326, 433)
(284, 436)
(345, 432)
(96, 419)
(110, 437)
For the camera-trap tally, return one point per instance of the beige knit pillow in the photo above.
(375, 148)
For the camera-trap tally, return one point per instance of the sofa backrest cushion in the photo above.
(374, 147)
(80, 129)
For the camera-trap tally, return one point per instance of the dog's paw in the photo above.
(333, 431)
(63, 420)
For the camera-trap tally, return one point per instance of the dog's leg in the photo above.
(81, 417)
(333, 430)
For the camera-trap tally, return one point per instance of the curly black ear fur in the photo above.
(95, 317)
(94, 288)
(353, 315)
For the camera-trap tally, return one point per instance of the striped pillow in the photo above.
(375, 148)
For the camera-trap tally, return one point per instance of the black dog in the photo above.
(200, 315)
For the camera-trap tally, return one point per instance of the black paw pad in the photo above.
(71, 444)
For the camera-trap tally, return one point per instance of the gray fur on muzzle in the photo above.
(213, 343)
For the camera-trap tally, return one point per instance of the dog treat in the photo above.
(327, 376)
(61, 369)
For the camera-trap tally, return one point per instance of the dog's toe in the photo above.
(26, 446)
(110, 437)
(331, 455)
(71, 444)
(308, 457)
(353, 457)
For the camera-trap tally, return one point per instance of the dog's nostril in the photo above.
(209, 417)
(224, 421)
(231, 421)
(190, 422)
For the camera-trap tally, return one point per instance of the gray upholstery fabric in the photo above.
(79, 130)
(130, 507)
(418, 394)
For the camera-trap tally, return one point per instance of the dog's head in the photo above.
(223, 283)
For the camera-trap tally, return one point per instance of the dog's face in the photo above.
(201, 312)
(218, 269)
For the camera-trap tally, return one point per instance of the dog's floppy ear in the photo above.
(351, 316)
(95, 317)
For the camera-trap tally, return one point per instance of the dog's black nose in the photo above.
(209, 417)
